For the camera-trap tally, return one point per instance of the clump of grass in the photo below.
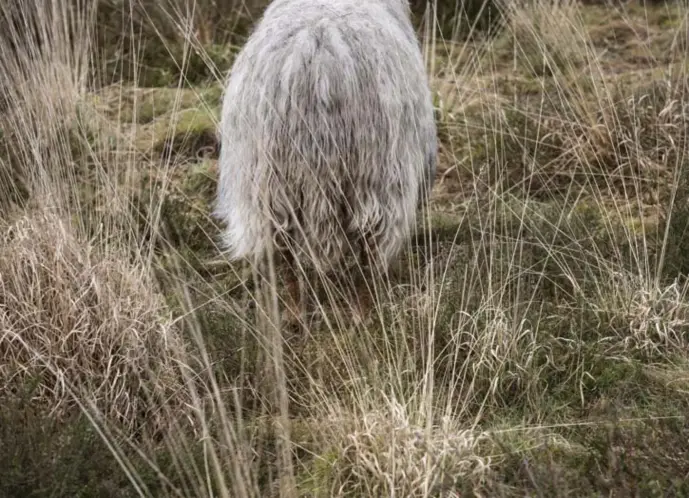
(583, 129)
(544, 39)
(651, 321)
(171, 42)
(455, 21)
(390, 449)
(80, 322)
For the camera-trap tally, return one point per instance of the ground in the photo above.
(534, 343)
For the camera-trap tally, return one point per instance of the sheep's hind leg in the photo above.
(366, 287)
(294, 312)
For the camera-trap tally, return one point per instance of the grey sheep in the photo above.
(328, 139)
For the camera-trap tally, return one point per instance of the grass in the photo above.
(535, 343)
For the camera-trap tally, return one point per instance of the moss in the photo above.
(623, 380)
(317, 479)
(193, 135)
(155, 103)
(170, 64)
(186, 204)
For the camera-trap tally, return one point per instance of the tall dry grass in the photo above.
(531, 341)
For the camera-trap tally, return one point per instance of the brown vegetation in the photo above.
(535, 341)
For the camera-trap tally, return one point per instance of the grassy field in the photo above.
(535, 344)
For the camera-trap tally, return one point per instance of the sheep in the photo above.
(328, 141)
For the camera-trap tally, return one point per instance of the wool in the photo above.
(327, 132)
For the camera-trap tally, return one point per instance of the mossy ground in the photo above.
(559, 344)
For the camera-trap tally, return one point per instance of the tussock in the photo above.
(392, 450)
(75, 322)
